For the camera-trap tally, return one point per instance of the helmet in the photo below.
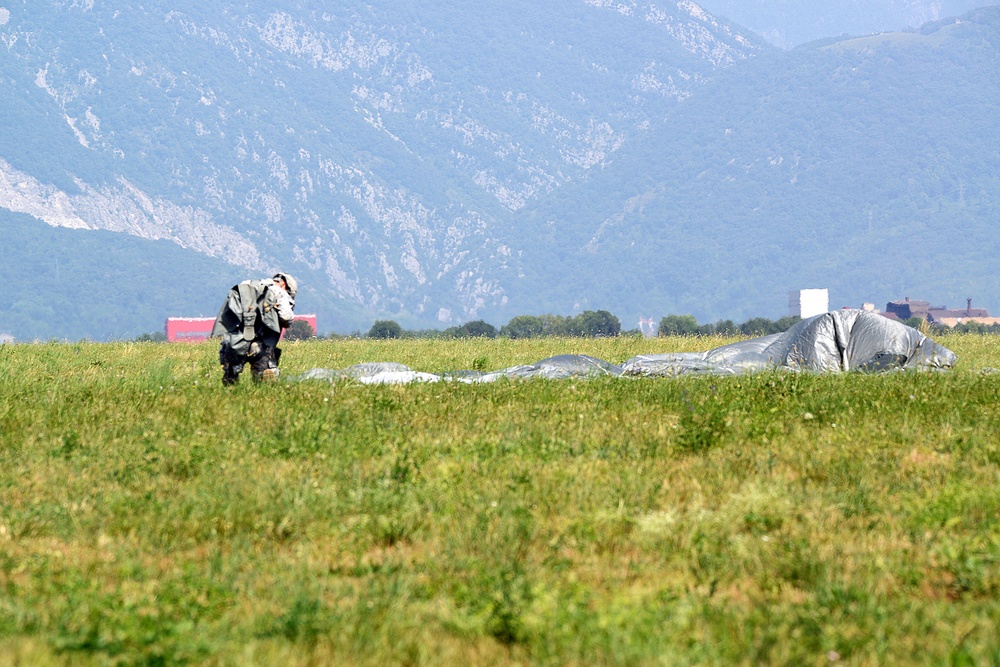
(291, 284)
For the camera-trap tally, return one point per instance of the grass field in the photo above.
(150, 516)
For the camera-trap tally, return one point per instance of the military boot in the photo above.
(230, 375)
(265, 365)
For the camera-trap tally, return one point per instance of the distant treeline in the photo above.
(601, 323)
(594, 324)
(965, 327)
(687, 325)
(588, 324)
(933, 329)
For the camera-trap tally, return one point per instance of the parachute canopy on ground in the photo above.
(838, 341)
(835, 342)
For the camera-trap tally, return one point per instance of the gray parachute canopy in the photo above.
(839, 341)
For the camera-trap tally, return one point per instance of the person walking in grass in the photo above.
(250, 323)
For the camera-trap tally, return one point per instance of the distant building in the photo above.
(907, 308)
(188, 328)
(808, 302)
(953, 317)
(191, 329)
(968, 313)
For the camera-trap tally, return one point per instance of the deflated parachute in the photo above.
(555, 368)
(563, 367)
(839, 341)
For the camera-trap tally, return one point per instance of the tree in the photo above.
(787, 322)
(595, 324)
(531, 326)
(678, 325)
(758, 326)
(523, 326)
(555, 325)
(385, 329)
(300, 330)
(726, 328)
(476, 329)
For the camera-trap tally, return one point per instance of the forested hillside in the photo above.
(72, 283)
(868, 166)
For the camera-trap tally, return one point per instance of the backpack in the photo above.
(248, 313)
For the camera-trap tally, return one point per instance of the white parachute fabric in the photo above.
(565, 366)
(835, 342)
(378, 372)
(562, 367)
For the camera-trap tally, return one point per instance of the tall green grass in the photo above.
(150, 516)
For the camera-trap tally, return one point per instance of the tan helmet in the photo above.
(291, 284)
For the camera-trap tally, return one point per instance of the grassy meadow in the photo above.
(150, 516)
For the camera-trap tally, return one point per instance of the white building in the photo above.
(808, 302)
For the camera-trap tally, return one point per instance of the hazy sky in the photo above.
(788, 23)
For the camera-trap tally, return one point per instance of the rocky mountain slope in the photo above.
(436, 163)
(376, 150)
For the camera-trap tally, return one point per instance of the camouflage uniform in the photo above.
(250, 323)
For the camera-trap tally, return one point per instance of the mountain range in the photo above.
(789, 23)
(435, 164)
